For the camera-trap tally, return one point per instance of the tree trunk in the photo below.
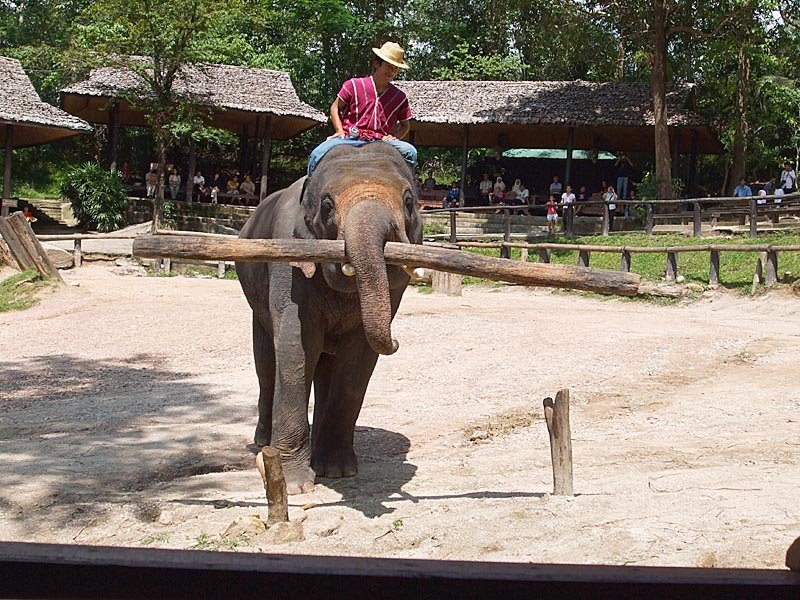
(741, 126)
(658, 84)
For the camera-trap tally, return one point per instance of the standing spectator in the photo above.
(198, 186)
(151, 181)
(556, 187)
(742, 190)
(485, 187)
(174, 183)
(625, 173)
(610, 198)
(429, 183)
(568, 197)
(788, 178)
(552, 214)
(248, 187)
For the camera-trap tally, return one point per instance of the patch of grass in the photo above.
(204, 542)
(20, 291)
(230, 273)
(423, 288)
(157, 538)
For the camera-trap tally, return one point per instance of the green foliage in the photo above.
(97, 196)
(19, 292)
(462, 63)
(647, 188)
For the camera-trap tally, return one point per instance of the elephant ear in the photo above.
(303, 191)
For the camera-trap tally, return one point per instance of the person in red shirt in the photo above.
(552, 214)
(371, 109)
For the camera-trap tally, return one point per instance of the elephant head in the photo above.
(365, 196)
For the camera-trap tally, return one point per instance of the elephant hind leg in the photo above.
(264, 354)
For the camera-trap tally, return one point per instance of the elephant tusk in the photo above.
(348, 269)
(308, 268)
(415, 274)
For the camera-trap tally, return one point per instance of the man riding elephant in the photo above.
(371, 109)
(326, 324)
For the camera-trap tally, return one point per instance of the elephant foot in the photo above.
(299, 480)
(261, 437)
(334, 463)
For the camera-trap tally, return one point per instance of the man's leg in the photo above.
(408, 151)
(324, 147)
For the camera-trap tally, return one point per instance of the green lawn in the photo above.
(19, 291)
(736, 268)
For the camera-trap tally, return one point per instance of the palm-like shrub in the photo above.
(97, 196)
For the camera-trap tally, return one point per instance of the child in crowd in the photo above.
(552, 214)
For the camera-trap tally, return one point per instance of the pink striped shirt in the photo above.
(370, 112)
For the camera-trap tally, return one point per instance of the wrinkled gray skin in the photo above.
(328, 329)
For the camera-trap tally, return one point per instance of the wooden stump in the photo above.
(625, 261)
(26, 248)
(672, 267)
(446, 283)
(269, 466)
(544, 255)
(556, 414)
(221, 269)
(584, 257)
(713, 268)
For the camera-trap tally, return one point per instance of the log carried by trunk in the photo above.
(395, 253)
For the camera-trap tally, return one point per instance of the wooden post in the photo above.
(77, 253)
(713, 268)
(192, 168)
(269, 465)
(605, 219)
(7, 170)
(221, 269)
(758, 276)
(625, 261)
(244, 139)
(753, 218)
(584, 256)
(544, 255)
(265, 156)
(649, 223)
(453, 238)
(697, 222)
(672, 266)
(568, 166)
(6, 257)
(446, 283)
(113, 136)
(464, 160)
(523, 255)
(505, 251)
(556, 415)
(771, 274)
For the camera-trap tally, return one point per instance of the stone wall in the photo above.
(207, 218)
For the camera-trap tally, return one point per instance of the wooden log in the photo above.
(625, 261)
(19, 224)
(713, 268)
(753, 218)
(446, 283)
(584, 256)
(440, 259)
(556, 415)
(544, 255)
(269, 465)
(16, 247)
(77, 253)
(606, 217)
(5, 255)
(672, 266)
(771, 274)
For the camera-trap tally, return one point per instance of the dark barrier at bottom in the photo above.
(58, 571)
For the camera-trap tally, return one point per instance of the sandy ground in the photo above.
(127, 407)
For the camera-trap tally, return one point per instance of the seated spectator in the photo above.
(742, 190)
(233, 186)
(514, 189)
(429, 183)
(151, 181)
(523, 196)
(556, 187)
(485, 187)
(248, 187)
(125, 173)
(762, 196)
(453, 198)
(498, 191)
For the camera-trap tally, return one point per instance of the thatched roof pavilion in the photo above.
(540, 114)
(25, 120)
(233, 98)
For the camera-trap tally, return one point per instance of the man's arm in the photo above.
(399, 132)
(336, 120)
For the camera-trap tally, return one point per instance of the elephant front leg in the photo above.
(295, 360)
(264, 354)
(340, 385)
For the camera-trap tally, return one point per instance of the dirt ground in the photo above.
(127, 407)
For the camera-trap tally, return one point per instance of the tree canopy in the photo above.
(744, 55)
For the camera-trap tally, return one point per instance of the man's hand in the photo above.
(336, 135)
(388, 138)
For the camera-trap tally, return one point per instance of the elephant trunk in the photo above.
(369, 225)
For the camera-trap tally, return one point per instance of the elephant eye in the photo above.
(326, 208)
(408, 201)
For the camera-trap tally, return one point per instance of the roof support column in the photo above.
(676, 153)
(243, 151)
(7, 170)
(266, 151)
(464, 157)
(113, 136)
(192, 169)
(570, 144)
(691, 168)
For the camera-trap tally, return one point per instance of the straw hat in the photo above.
(393, 54)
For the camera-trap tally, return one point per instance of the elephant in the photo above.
(322, 323)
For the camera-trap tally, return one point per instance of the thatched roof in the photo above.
(35, 122)
(233, 98)
(613, 116)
